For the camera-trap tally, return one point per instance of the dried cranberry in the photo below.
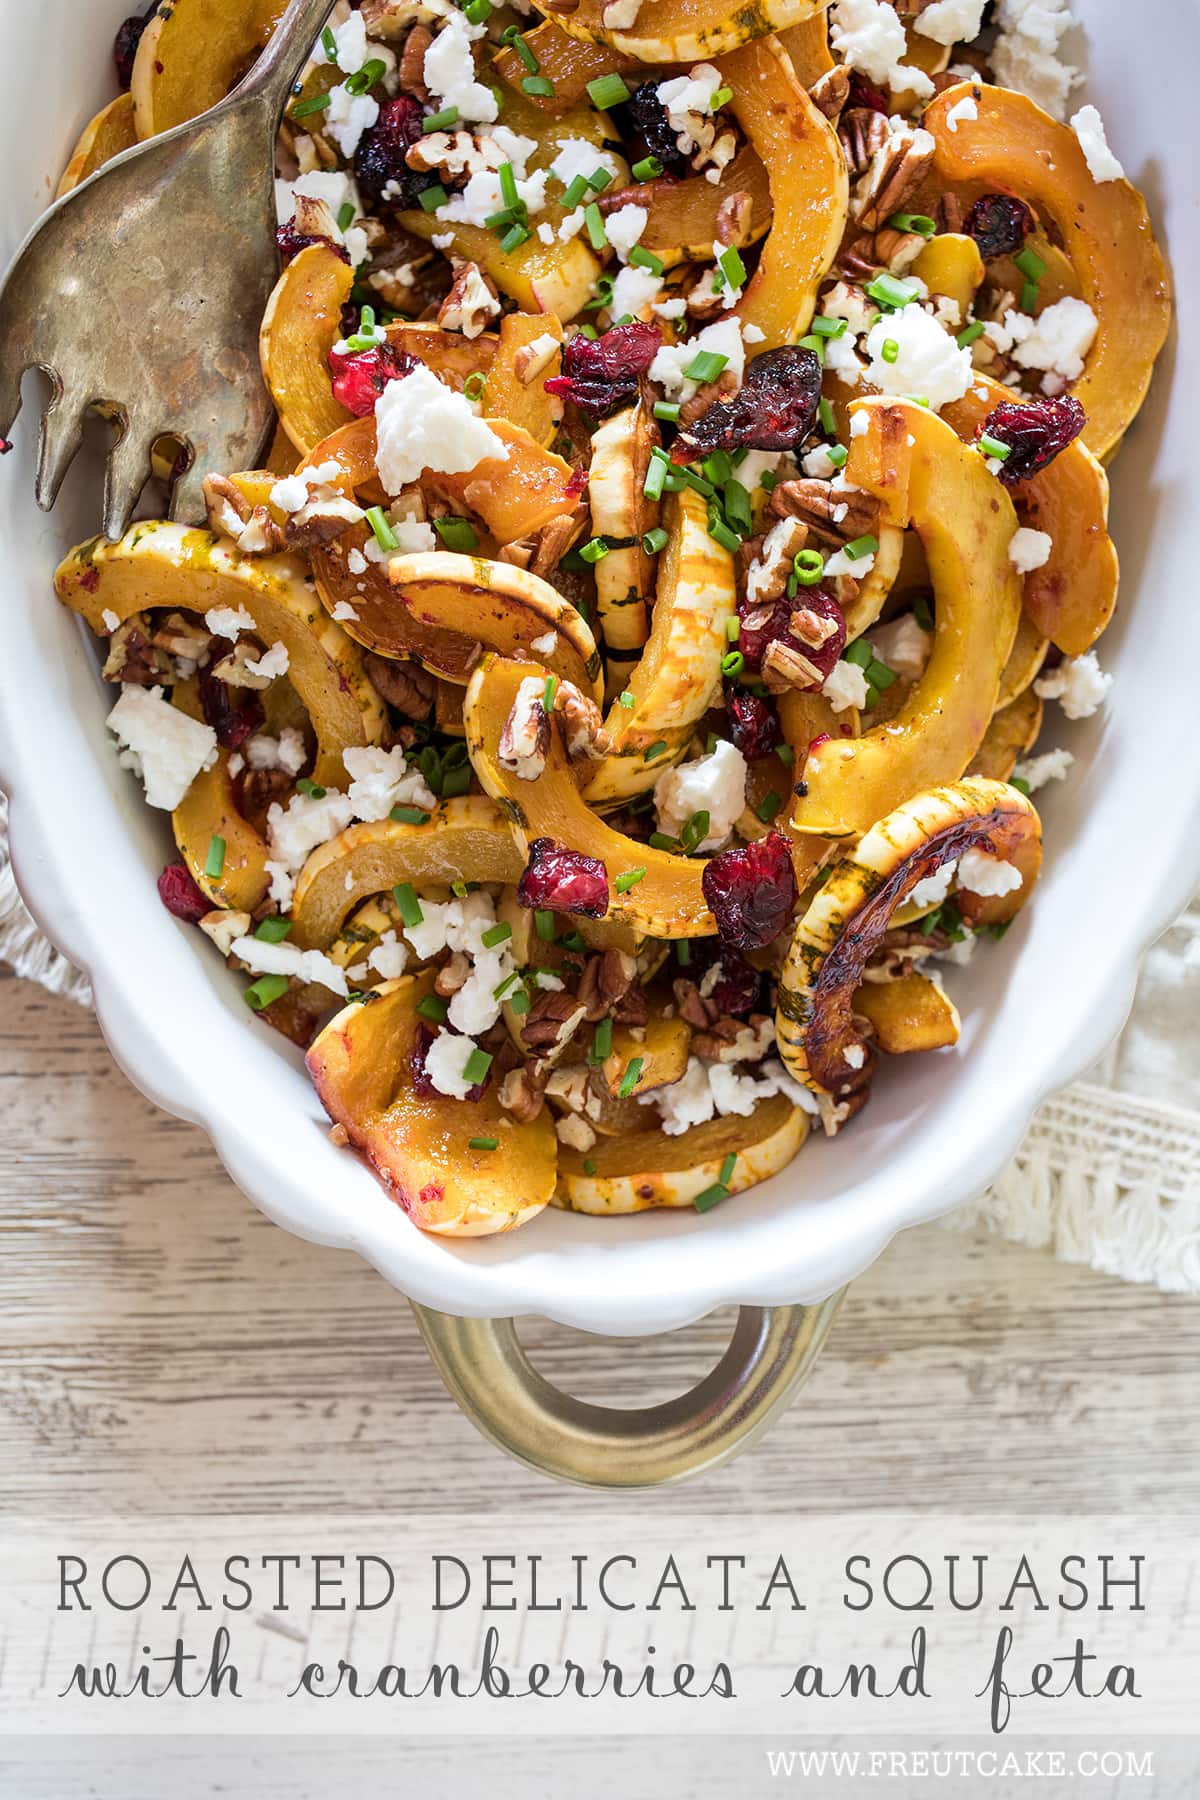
(562, 880)
(234, 713)
(180, 895)
(999, 223)
(129, 36)
(1036, 432)
(360, 376)
(864, 93)
(645, 118)
(764, 625)
(737, 988)
(380, 160)
(753, 725)
(422, 1084)
(775, 408)
(751, 892)
(600, 374)
(291, 242)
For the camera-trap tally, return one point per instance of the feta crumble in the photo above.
(903, 645)
(961, 113)
(950, 21)
(722, 339)
(1057, 341)
(287, 751)
(989, 876)
(424, 425)
(382, 779)
(845, 685)
(1029, 549)
(935, 888)
(1088, 127)
(1026, 52)
(449, 71)
(350, 46)
(633, 291)
(262, 958)
(928, 360)
(228, 621)
(1036, 771)
(163, 745)
(868, 35)
(711, 1090)
(270, 666)
(1079, 684)
(347, 117)
(624, 227)
(446, 1060)
(715, 784)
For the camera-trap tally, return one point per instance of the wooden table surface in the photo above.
(164, 1348)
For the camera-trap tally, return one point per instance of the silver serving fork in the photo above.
(143, 291)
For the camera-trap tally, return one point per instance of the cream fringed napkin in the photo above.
(1109, 1174)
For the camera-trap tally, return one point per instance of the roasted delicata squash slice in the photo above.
(667, 901)
(421, 1144)
(1070, 599)
(809, 189)
(302, 323)
(1013, 731)
(519, 371)
(950, 266)
(503, 607)
(193, 53)
(924, 476)
(622, 515)
(163, 564)
(851, 911)
(678, 31)
(209, 809)
(659, 1049)
(108, 134)
(647, 1169)
(680, 670)
(686, 215)
(463, 840)
(908, 1015)
(807, 44)
(453, 358)
(1012, 145)
(1024, 663)
(567, 63)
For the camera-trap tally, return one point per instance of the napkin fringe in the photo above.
(22, 945)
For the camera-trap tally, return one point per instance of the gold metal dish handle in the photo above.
(772, 1352)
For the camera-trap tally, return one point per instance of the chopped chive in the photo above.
(483, 1143)
(655, 750)
(215, 865)
(475, 386)
(656, 478)
(722, 534)
(505, 215)
(923, 613)
(630, 1078)
(727, 1168)
(737, 507)
(441, 121)
(599, 179)
(695, 831)
(345, 220)
(839, 456)
(667, 409)
(589, 1165)
(689, 478)
(732, 266)
(768, 806)
(649, 169)
(994, 447)
(733, 629)
(456, 781)
(718, 468)
(508, 187)
(607, 91)
(478, 11)
(433, 1008)
(456, 534)
(653, 542)
(594, 551)
(544, 924)
(889, 292)
(459, 889)
(786, 754)
(405, 896)
(601, 1041)
(1029, 296)
(712, 1196)
(809, 567)
(918, 222)
(520, 1002)
(329, 45)
(513, 37)
(859, 653)
(826, 418)
(627, 699)
(409, 815)
(720, 97)
(266, 991)
(890, 350)
(303, 109)
(366, 77)
(829, 328)
(705, 366)
(815, 344)
(918, 400)
(432, 198)
(629, 879)
(574, 941)
(683, 953)
(660, 841)
(646, 259)
(385, 537)
(311, 789)
(733, 663)
(593, 218)
(548, 693)
(476, 1067)
(496, 934)
(574, 193)
(273, 931)
(968, 336)
(539, 86)
(1030, 265)
(862, 546)
(514, 237)
(509, 981)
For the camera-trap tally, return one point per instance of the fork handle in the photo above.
(287, 51)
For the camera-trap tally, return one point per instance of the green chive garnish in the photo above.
(720, 533)
(655, 750)
(540, 87)
(863, 546)
(809, 567)
(310, 789)
(653, 542)
(476, 1067)
(329, 45)
(215, 865)
(1021, 785)
(594, 551)
(630, 1078)
(433, 1008)
(733, 663)
(994, 447)
(520, 1002)
(345, 220)
(409, 815)
(627, 699)
(303, 109)
(668, 410)
(432, 198)
(385, 537)
(496, 934)
(705, 366)
(266, 991)
(649, 169)
(890, 350)
(607, 91)
(968, 336)
(629, 879)
(441, 121)
(923, 613)
(683, 953)
(456, 534)
(273, 931)
(525, 51)
(514, 237)
(573, 194)
(1030, 264)
(727, 1168)
(695, 831)
(890, 293)
(768, 806)
(545, 926)
(405, 896)
(732, 267)
(589, 1165)
(656, 477)
(601, 1041)
(660, 841)
(712, 1196)
(918, 222)
(483, 1143)
(475, 386)
(593, 218)
(548, 693)
(829, 328)
(720, 97)
(646, 259)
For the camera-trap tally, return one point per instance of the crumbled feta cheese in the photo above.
(545, 232)
(547, 644)
(950, 21)
(262, 958)
(819, 464)
(424, 425)
(676, 307)
(482, 197)
(990, 876)
(382, 779)
(308, 822)
(934, 889)
(347, 117)
(722, 339)
(854, 1056)
(1079, 684)
(688, 102)
(110, 620)
(1029, 550)
(350, 46)
(287, 751)
(1058, 340)
(578, 156)
(1036, 771)
(710, 1090)
(449, 71)
(356, 562)
(840, 563)
(868, 35)
(344, 613)
(903, 645)
(1088, 127)
(522, 741)
(446, 1060)
(389, 957)
(860, 424)
(270, 666)
(752, 333)
(336, 190)
(928, 360)
(843, 360)
(163, 745)
(294, 492)
(844, 301)
(228, 621)
(624, 227)
(961, 113)
(715, 784)
(572, 225)
(1026, 52)
(845, 685)
(633, 291)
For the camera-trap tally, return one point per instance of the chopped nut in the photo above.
(723, 388)
(582, 723)
(261, 536)
(532, 358)
(570, 1085)
(736, 1040)
(521, 1093)
(519, 554)
(896, 169)
(830, 93)
(692, 1006)
(406, 686)
(227, 507)
(412, 62)
(837, 514)
(811, 628)
(339, 1135)
(470, 303)
(733, 218)
(863, 132)
(322, 520)
(224, 928)
(452, 975)
(767, 578)
(556, 539)
(553, 1020)
(525, 739)
(784, 667)
(575, 1132)
(897, 251)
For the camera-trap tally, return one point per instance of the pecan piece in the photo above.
(895, 171)
(863, 132)
(405, 685)
(470, 303)
(553, 1020)
(521, 1092)
(785, 667)
(412, 62)
(582, 724)
(838, 515)
(830, 93)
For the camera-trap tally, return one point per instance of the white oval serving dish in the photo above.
(1123, 847)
